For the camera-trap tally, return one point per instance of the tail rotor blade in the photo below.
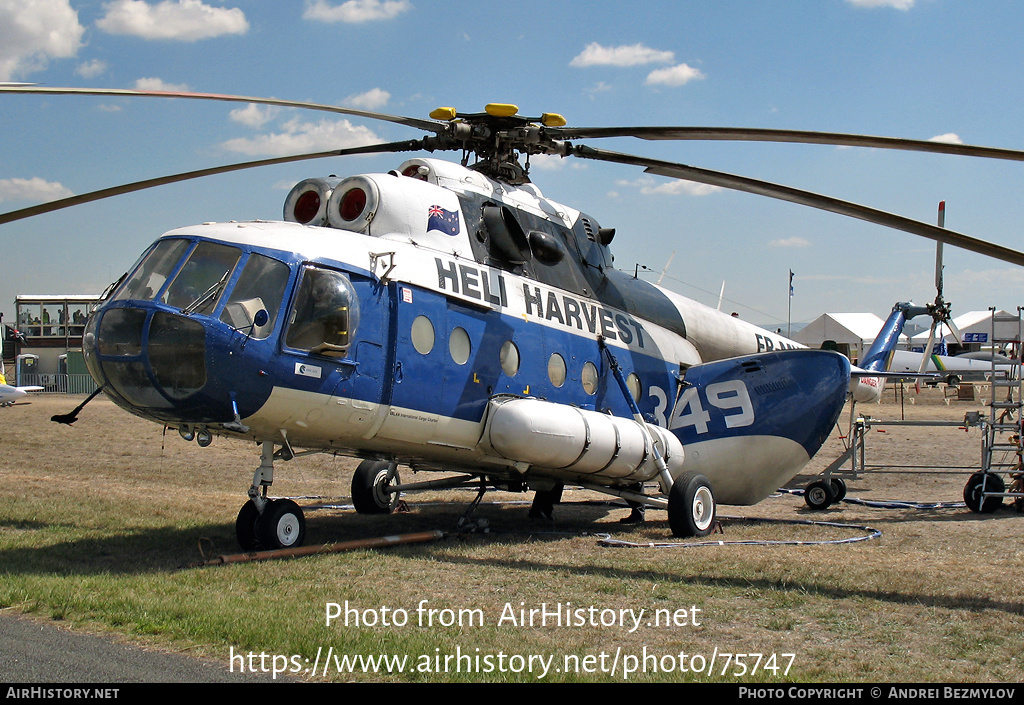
(928, 348)
(955, 331)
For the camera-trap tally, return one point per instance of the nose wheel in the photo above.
(268, 524)
(281, 525)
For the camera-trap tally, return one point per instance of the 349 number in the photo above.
(731, 398)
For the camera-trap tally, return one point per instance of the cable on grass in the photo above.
(871, 533)
(890, 503)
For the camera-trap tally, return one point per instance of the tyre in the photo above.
(369, 483)
(245, 526)
(691, 506)
(838, 489)
(819, 495)
(282, 525)
(990, 482)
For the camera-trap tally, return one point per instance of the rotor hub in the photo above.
(499, 137)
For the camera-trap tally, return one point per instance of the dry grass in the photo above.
(99, 519)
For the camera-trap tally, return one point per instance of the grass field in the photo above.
(100, 521)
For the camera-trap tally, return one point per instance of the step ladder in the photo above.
(1002, 443)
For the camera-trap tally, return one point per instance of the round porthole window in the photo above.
(459, 346)
(509, 357)
(556, 369)
(422, 335)
(589, 378)
(633, 383)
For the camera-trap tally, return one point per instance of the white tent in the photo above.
(975, 326)
(858, 330)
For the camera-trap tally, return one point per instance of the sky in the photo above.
(923, 69)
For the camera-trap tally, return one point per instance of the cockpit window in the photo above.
(325, 314)
(150, 276)
(201, 281)
(260, 288)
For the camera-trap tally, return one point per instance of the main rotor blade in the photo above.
(746, 134)
(407, 146)
(428, 125)
(805, 198)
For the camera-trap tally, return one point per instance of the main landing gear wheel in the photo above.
(691, 506)
(973, 490)
(819, 494)
(282, 525)
(370, 493)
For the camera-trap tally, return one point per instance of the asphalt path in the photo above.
(33, 651)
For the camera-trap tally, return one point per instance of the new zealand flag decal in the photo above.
(444, 220)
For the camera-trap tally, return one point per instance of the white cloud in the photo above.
(302, 137)
(158, 84)
(794, 241)
(635, 55)
(370, 100)
(949, 138)
(553, 162)
(34, 189)
(993, 280)
(673, 76)
(898, 4)
(34, 31)
(546, 162)
(355, 11)
(91, 69)
(179, 20)
(649, 186)
(253, 115)
(599, 87)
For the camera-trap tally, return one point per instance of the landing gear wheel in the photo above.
(282, 525)
(838, 489)
(819, 495)
(369, 488)
(245, 526)
(691, 506)
(973, 489)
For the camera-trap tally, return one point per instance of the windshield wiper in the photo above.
(212, 293)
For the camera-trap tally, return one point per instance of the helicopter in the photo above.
(449, 317)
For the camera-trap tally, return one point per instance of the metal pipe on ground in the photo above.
(378, 542)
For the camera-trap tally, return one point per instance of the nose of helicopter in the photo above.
(158, 364)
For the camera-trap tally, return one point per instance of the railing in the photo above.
(59, 384)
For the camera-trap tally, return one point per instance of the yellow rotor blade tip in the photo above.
(501, 109)
(443, 114)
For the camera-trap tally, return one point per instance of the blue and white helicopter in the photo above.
(450, 317)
